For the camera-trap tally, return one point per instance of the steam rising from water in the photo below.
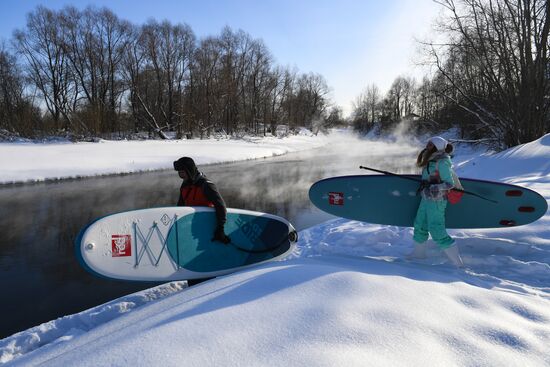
(281, 185)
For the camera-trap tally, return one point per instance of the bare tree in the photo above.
(400, 97)
(17, 115)
(235, 48)
(169, 49)
(95, 42)
(311, 98)
(48, 68)
(365, 108)
(11, 89)
(257, 83)
(288, 92)
(157, 68)
(140, 80)
(496, 61)
(204, 73)
(373, 97)
(100, 74)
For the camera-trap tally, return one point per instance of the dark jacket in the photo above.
(198, 190)
(194, 193)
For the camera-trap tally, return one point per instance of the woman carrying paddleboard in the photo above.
(437, 182)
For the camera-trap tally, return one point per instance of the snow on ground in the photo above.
(345, 297)
(319, 312)
(24, 162)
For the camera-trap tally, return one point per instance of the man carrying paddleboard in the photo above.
(437, 182)
(197, 190)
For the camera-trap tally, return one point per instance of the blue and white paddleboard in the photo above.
(175, 243)
(391, 200)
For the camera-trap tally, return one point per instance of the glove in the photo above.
(220, 236)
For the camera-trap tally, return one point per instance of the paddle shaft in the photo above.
(420, 181)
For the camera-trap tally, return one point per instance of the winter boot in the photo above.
(454, 256)
(419, 252)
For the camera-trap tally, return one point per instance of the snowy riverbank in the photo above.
(32, 162)
(344, 298)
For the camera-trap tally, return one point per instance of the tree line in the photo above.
(491, 79)
(90, 73)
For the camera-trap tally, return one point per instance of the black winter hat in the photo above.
(186, 164)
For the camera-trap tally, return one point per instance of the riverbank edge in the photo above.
(69, 178)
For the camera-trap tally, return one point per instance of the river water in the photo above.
(40, 278)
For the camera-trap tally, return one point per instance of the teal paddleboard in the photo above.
(175, 243)
(391, 200)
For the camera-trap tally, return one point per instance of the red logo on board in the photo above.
(336, 198)
(122, 245)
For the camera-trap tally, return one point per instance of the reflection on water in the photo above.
(39, 275)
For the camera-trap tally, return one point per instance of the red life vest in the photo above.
(194, 196)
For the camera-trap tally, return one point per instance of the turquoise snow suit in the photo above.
(430, 217)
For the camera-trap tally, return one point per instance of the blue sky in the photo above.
(352, 43)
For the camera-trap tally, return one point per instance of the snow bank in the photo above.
(344, 298)
(326, 311)
(519, 165)
(24, 162)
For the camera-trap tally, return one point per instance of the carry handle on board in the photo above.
(292, 237)
(420, 181)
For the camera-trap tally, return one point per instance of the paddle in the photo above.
(420, 181)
